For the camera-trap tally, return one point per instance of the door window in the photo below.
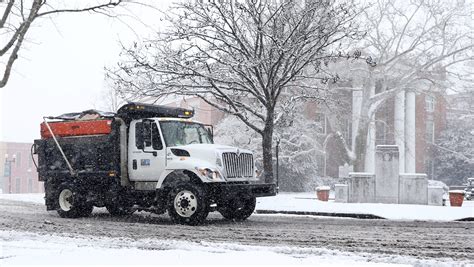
(147, 135)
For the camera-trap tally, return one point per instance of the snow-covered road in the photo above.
(33, 249)
(26, 228)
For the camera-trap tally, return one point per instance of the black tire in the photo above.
(187, 204)
(238, 209)
(71, 202)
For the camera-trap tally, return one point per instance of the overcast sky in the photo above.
(61, 68)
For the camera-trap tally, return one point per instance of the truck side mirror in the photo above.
(139, 135)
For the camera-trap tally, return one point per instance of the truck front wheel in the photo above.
(238, 209)
(187, 204)
(71, 202)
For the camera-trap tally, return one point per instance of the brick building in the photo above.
(17, 171)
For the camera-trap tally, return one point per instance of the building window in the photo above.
(321, 120)
(429, 168)
(430, 131)
(30, 185)
(18, 184)
(379, 86)
(429, 103)
(30, 162)
(18, 160)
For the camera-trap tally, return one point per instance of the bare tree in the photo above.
(251, 59)
(415, 44)
(18, 17)
(300, 141)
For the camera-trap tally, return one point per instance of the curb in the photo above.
(329, 214)
(468, 219)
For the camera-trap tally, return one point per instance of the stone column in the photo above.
(410, 132)
(399, 123)
(386, 174)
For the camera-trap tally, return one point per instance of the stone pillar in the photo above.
(341, 193)
(435, 195)
(361, 187)
(386, 174)
(413, 188)
(399, 121)
(410, 132)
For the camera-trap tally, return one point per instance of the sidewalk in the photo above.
(308, 204)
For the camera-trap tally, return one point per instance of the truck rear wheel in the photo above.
(238, 209)
(71, 202)
(187, 204)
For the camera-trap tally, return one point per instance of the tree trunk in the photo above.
(361, 146)
(267, 141)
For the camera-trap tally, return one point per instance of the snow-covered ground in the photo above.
(20, 248)
(62, 248)
(32, 198)
(307, 202)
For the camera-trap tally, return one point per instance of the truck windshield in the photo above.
(178, 133)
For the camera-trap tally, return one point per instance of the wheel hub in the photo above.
(65, 200)
(185, 203)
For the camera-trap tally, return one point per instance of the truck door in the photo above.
(147, 156)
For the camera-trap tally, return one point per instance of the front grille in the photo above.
(238, 165)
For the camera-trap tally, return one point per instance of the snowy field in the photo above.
(307, 202)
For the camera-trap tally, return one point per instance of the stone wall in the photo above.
(413, 188)
(361, 187)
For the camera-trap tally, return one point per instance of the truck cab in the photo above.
(160, 146)
(159, 159)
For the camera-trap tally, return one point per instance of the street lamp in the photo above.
(8, 167)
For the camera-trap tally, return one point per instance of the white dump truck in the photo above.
(144, 157)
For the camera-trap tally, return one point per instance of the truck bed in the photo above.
(94, 156)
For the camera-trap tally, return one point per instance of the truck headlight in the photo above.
(210, 174)
(218, 160)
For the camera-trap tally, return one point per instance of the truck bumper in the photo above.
(246, 190)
